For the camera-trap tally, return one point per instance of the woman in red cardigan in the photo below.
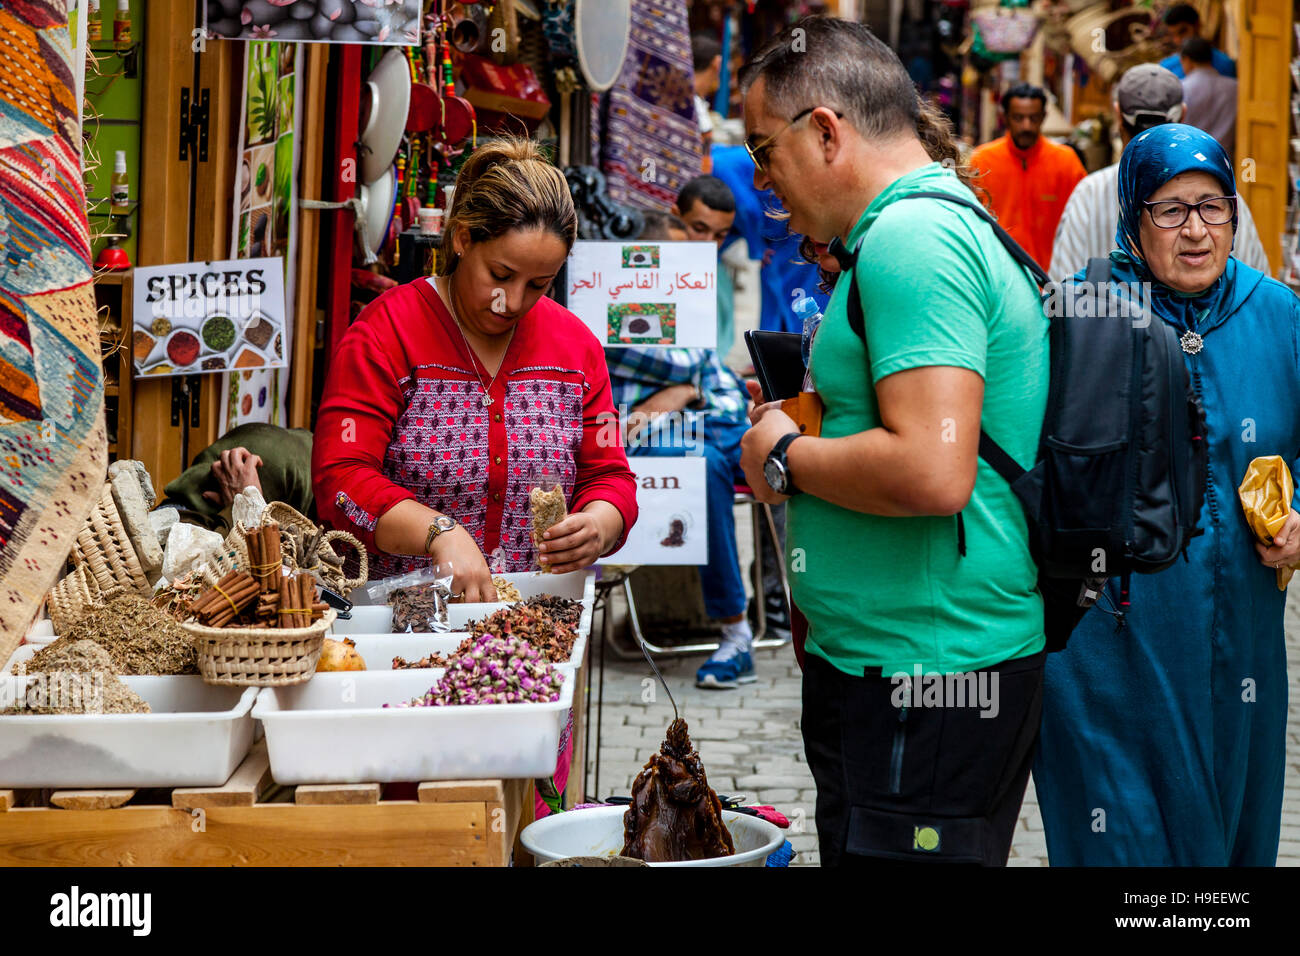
(449, 397)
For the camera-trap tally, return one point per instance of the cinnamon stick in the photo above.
(271, 553)
(284, 603)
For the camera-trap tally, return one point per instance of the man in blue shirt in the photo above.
(681, 401)
(1182, 22)
(784, 276)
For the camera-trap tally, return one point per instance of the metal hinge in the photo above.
(185, 391)
(194, 125)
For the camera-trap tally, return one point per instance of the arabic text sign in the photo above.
(195, 317)
(646, 293)
(672, 501)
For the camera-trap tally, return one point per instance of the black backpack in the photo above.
(1121, 470)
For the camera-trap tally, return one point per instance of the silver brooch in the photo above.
(1191, 342)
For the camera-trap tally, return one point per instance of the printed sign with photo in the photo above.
(196, 317)
(661, 293)
(391, 22)
(672, 500)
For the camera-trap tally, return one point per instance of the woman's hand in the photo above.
(577, 541)
(470, 575)
(1285, 550)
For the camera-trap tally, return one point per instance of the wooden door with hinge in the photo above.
(191, 136)
(1264, 117)
(175, 138)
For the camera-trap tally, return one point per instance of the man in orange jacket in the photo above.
(1028, 178)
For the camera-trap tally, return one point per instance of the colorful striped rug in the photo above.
(52, 444)
(648, 138)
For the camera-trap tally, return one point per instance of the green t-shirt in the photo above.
(937, 288)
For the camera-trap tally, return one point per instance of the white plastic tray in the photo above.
(378, 650)
(334, 729)
(577, 586)
(195, 737)
(25, 652)
(41, 632)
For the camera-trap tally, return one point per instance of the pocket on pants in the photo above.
(917, 838)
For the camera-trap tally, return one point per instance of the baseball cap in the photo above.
(1149, 94)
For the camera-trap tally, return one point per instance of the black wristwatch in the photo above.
(777, 467)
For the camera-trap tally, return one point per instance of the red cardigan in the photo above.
(402, 417)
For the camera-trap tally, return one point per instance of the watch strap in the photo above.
(778, 452)
(434, 530)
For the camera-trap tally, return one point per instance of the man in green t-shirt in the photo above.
(909, 555)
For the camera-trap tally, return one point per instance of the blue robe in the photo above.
(1164, 743)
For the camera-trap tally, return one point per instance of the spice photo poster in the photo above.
(264, 202)
(196, 317)
(390, 22)
(646, 293)
(671, 496)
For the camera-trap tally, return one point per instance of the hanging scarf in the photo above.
(1151, 160)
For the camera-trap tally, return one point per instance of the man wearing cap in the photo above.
(1145, 96)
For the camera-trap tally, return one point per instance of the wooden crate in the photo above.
(250, 821)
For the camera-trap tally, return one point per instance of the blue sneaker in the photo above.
(729, 667)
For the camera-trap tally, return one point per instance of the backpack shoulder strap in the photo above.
(1098, 272)
(993, 453)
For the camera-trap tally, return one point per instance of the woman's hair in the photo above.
(507, 184)
(825, 280)
(842, 65)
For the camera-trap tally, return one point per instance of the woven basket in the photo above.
(264, 657)
(230, 558)
(74, 594)
(105, 550)
(288, 517)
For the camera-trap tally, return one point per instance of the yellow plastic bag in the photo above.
(1265, 495)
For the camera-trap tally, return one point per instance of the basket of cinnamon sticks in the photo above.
(259, 628)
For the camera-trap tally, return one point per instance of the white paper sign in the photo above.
(672, 527)
(646, 293)
(196, 317)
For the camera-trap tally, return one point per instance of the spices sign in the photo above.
(672, 500)
(646, 293)
(197, 317)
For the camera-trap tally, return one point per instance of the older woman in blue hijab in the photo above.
(1164, 742)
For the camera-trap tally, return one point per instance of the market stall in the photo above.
(245, 710)
(208, 685)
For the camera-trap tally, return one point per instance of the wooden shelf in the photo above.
(113, 289)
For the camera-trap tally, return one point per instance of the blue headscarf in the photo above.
(1149, 161)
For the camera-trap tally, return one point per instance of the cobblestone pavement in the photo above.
(750, 743)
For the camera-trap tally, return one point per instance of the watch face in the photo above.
(445, 524)
(774, 474)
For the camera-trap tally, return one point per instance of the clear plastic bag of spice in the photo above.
(418, 598)
(546, 504)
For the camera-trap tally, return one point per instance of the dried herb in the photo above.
(432, 660)
(75, 677)
(139, 639)
(494, 670)
(548, 509)
(421, 609)
(533, 624)
(566, 611)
